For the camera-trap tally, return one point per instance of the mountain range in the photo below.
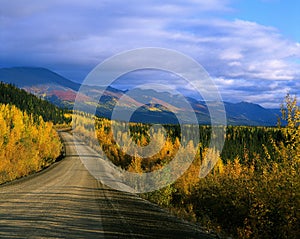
(162, 107)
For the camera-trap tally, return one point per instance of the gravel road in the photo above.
(65, 201)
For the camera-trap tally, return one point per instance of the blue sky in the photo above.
(251, 48)
(284, 15)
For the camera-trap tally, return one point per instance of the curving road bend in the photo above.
(65, 201)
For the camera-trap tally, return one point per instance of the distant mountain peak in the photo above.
(25, 77)
(161, 108)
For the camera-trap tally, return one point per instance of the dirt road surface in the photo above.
(65, 201)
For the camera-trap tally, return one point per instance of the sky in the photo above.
(250, 48)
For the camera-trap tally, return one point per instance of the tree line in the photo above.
(27, 145)
(28, 140)
(29, 103)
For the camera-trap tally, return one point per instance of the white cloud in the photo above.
(80, 34)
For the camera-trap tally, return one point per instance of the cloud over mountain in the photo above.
(71, 37)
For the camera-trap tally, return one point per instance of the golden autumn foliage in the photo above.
(98, 133)
(253, 198)
(254, 194)
(26, 145)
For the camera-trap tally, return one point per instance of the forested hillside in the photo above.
(27, 145)
(28, 141)
(10, 94)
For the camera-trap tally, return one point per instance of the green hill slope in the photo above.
(25, 101)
